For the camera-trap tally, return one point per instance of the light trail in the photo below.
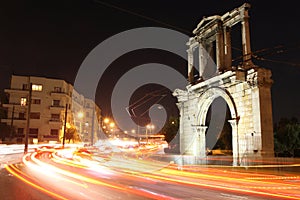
(85, 171)
(26, 180)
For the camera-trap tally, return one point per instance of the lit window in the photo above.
(23, 101)
(37, 87)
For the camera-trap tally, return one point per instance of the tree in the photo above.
(170, 129)
(5, 131)
(72, 134)
(286, 137)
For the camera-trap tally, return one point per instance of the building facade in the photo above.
(51, 101)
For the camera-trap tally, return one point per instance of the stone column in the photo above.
(235, 142)
(200, 143)
(265, 82)
(220, 48)
(247, 63)
(181, 114)
(190, 64)
(227, 49)
(202, 60)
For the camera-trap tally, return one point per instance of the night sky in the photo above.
(52, 37)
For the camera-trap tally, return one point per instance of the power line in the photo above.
(143, 16)
(277, 61)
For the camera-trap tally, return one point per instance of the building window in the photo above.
(25, 87)
(20, 131)
(35, 115)
(56, 103)
(55, 117)
(23, 101)
(21, 115)
(33, 132)
(36, 87)
(54, 132)
(87, 114)
(57, 89)
(36, 101)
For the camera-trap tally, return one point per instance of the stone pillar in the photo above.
(247, 63)
(200, 143)
(190, 64)
(227, 49)
(202, 60)
(235, 142)
(266, 120)
(220, 48)
(181, 114)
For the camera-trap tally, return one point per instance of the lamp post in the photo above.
(80, 117)
(150, 127)
(112, 125)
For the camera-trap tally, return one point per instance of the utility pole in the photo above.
(12, 122)
(93, 126)
(28, 119)
(65, 124)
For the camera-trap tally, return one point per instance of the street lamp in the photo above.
(150, 127)
(106, 120)
(112, 125)
(80, 117)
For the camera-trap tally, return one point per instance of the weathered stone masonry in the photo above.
(246, 89)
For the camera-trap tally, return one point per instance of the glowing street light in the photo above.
(106, 120)
(80, 115)
(112, 125)
(150, 127)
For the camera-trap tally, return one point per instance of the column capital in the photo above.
(200, 128)
(234, 122)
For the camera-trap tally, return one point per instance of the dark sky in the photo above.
(52, 37)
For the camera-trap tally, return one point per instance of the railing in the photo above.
(57, 106)
(59, 92)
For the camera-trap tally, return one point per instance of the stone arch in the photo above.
(206, 99)
(204, 102)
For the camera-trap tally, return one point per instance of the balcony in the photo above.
(16, 90)
(57, 107)
(58, 94)
(55, 121)
(8, 120)
(10, 105)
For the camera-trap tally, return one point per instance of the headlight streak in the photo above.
(219, 187)
(46, 170)
(126, 166)
(244, 189)
(115, 186)
(26, 180)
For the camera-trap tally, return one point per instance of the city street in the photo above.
(70, 173)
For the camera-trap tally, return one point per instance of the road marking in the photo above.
(231, 196)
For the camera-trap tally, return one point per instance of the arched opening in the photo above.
(219, 138)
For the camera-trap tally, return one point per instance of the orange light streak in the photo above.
(33, 184)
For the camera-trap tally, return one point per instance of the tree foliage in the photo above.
(170, 129)
(72, 134)
(6, 131)
(287, 136)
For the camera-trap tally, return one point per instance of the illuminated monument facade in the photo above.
(246, 89)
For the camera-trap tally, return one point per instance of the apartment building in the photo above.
(50, 100)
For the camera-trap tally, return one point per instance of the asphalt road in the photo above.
(57, 176)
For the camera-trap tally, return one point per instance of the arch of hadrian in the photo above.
(246, 89)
